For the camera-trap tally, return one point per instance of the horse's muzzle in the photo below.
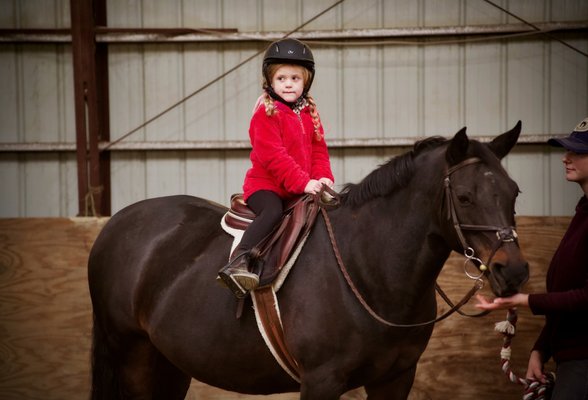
(508, 272)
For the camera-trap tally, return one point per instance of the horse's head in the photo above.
(479, 201)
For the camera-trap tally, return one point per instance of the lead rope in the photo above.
(533, 389)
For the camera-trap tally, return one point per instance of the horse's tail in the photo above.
(105, 385)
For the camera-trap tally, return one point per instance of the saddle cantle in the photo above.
(239, 215)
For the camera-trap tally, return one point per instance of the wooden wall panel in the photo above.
(45, 319)
(462, 360)
(45, 313)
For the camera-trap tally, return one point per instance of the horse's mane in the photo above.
(394, 174)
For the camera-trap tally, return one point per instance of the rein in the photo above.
(504, 234)
(479, 283)
(477, 286)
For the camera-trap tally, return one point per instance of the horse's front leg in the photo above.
(396, 388)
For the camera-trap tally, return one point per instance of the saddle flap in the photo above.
(296, 224)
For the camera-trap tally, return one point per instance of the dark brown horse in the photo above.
(160, 318)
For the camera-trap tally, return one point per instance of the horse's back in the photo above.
(147, 242)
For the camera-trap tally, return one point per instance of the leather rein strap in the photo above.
(477, 286)
(504, 234)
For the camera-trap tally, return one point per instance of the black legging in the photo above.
(268, 207)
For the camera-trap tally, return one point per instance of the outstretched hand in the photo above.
(502, 303)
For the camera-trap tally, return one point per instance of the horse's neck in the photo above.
(396, 239)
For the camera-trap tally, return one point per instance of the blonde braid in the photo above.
(316, 120)
(268, 102)
(270, 109)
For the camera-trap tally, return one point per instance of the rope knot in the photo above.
(505, 327)
(89, 202)
(533, 389)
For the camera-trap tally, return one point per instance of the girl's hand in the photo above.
(313, 187)
(502, 303)
(327, 182)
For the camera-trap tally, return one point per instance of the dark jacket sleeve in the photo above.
(574, 300)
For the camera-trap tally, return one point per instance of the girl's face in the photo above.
(288, 82)
(576, 168)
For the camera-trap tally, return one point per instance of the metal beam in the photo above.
(186, 35)
(228, 145)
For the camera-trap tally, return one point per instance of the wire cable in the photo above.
(536, 28)
(216, 79)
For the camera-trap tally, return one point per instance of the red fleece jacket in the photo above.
(286, 153)
(565, 305)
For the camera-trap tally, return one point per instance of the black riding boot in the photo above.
(236, 276)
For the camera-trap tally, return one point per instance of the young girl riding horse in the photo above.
(289, 155)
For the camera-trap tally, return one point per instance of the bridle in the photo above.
(504, 234)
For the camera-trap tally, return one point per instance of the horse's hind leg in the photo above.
(146, 374)
(397, 388)
(321, 386)
(173, 384)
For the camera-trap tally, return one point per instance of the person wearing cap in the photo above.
(565, 305)
(289, 156)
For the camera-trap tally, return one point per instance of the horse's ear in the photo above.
(458, 147)
(503, 144)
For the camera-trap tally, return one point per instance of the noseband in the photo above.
(504, 234)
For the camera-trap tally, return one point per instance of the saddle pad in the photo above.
(236, 233)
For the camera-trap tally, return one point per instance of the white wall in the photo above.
(368, 91)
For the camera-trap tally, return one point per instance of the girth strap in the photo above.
(267, 313)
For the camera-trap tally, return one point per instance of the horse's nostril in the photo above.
(507, 280)
(497, 267)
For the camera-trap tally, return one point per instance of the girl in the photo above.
(565, 305)
(289, 156)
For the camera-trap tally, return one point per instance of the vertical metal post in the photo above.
(103, 107)
(91, 107)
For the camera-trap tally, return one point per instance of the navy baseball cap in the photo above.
(577, 141)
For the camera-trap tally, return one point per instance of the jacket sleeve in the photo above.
(269, 149)
(573, 300)
(321, 163)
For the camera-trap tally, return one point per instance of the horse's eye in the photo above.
(464, 199)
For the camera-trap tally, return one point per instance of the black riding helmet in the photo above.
(289, 51)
